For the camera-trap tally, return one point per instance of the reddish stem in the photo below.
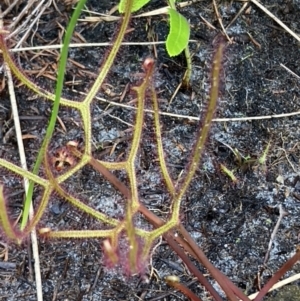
(185, 290)
(156, 221)
(227, 285)
(172, 243)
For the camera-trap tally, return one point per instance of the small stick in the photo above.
(282, 214)
(220, 21)
(34, 240)
(21, 15)
(33, 235)
(209, 25)
(237, 15)
(297, 37)
(243, 119)
(11, 6)
(290, 71)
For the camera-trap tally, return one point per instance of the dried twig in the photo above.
(34, 241)
(156, 12)
(290, 71)
(41, 7)
(197, 118)
(258, 4)
(282, 214)
(15, 114)
(21, 15)
(11, 6)
(237, 15)
(220, 21)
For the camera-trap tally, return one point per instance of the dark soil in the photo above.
(231, 221)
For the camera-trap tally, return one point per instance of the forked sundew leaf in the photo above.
(179, 34)
(137, 4)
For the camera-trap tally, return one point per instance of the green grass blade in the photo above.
(55, 108)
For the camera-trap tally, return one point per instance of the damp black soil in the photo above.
(230, 219)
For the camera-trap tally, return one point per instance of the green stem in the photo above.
(188, 72)
(187, 75)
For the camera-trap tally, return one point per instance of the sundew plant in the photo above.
(78, 155)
